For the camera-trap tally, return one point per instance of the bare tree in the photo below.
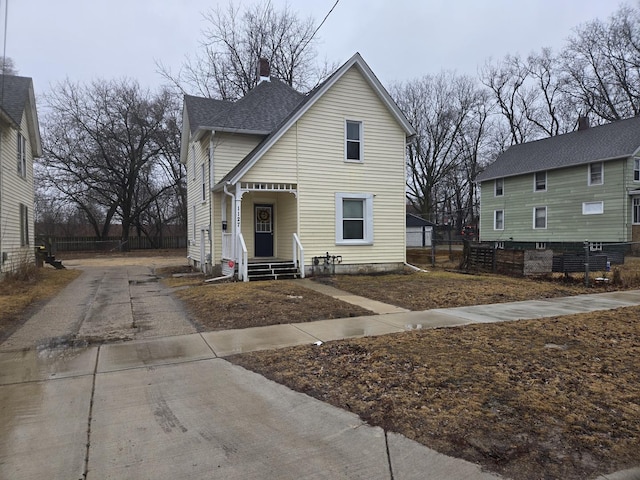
(439, 107)
(602, 65)
(103, 151)
(236, 37)
(8, 66)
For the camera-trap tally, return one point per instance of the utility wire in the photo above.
(321, 23)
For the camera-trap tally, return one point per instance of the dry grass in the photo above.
(19, 292)
(554, 398)
(241, 305)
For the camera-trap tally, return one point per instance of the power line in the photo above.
(321, 23)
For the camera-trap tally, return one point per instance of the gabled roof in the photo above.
(615, 140)
(307, 102)
(16, 100)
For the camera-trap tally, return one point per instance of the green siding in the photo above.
(567, 189)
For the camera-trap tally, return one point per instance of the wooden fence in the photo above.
(108, 244)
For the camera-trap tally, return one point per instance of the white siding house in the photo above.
(294, 175)
(19, 145)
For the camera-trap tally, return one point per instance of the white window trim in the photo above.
(203, 185)
(635, 199)
(546, 220)
(495, 187)
(601, 173)
(24, 225)
(193, 162)
(495, 214)
(535, 178)
(636, 168)
(499, 245)
(22, 155)
(368, 218)
(361, 141)
(541, 245)
(588, 208)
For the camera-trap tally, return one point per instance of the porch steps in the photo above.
(272, 271)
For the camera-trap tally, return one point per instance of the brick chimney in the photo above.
(264, 70)
(583, 123)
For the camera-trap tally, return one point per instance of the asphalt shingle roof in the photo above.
(14, 93)
(261, 110)
(619, 139)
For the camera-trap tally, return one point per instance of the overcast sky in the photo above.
(50, 40)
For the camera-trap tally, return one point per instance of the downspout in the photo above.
(233, 224)
(224, 213)
(210, 197)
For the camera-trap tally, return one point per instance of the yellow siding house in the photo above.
(300, 181)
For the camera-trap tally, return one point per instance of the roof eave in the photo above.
(359, 62)
(571, 165)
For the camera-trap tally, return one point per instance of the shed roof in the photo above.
(416, 221)
(612, 141)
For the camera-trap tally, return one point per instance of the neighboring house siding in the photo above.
(16, 190)
(567, 190)
(323, 172)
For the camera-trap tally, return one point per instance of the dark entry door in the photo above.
(264, 230)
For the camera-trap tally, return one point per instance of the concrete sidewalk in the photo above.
(171, 407)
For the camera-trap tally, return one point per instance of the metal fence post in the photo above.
(586, 263)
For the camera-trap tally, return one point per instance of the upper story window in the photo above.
(22, 155)
(353, 147)
(540, 217)
(636, 169)
(203, 176)
(540, 181)
(193, 162)
(596, 173)
(498, 188)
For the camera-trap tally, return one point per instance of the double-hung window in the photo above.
(203, 176)
(498, 187)
(24, 225)
(636, 169)
(354, 218)
(22, 155)
(540, 217)
(498, 220)
(353, 146)
(540, 181)
(596, 173)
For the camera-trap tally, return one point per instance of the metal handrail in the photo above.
(298, 254)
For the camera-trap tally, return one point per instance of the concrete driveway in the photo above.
(162, 405)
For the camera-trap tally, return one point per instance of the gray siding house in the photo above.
(571, 188)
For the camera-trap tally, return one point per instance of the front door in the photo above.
(264, 230)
